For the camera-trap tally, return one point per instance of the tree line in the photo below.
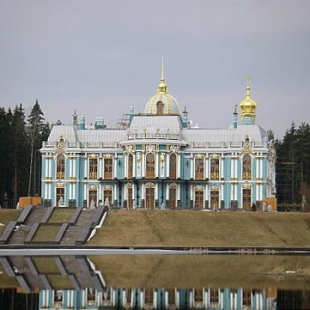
(293, 165)
(21, 138)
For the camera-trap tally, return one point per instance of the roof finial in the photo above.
(162, 86)
(162, 69)
(248, 78)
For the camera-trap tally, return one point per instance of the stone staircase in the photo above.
(78, 228)
(22, 230)
(73, 231)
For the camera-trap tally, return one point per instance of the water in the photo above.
(155, 282)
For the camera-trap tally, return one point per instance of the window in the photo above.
(215, 198)
(149, 293)
(93, 166)
(107, 194)
(160, 108)
(214, 295)
(92, 198)
(129, 198)
(173, 166)
(150, 165)
(150, 198)
(198, 295)
(60, 194)
(246, 167)
(172, 196)
(60, 167)
(246, 198)
(130, 166)
(215, 169)
(199, 198)
(199, 169)
(108, 168)
(91, 296)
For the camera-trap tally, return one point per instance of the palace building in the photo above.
(156, 159)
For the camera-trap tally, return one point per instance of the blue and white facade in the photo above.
(156, 159)
(127, 298)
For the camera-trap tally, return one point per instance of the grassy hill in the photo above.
(198, 228)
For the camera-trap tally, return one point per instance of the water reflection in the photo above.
(154, 282)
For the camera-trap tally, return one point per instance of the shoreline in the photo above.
(36, 249)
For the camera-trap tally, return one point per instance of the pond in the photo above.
(155, 282)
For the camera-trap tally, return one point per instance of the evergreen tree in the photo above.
(35, 127)
(4, 142)
(293, 165)
(20, 154)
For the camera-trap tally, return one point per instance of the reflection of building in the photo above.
(158, 159)
(205, 298)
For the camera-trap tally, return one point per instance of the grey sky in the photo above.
(100, 57)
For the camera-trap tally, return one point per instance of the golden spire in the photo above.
(248, 78)
(162, 86)
(162, 70)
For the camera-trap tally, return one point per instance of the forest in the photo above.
(21, 138)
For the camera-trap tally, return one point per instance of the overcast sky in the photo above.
(101, 57)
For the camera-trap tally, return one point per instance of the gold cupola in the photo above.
(248, 106)
(162, 103)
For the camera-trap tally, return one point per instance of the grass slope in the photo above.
(6, 216)
(188, 271)
(195, 229)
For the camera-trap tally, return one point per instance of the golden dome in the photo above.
(248, 105)
(162, 102)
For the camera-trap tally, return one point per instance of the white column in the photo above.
(207, 193)
(192, 167)
(85, 192)
(157, 163)
(126, 165)
(207, 168)
(114, 165)
(85, 166)
(74, 191)
(178, 166)
(167, 161)
(100, 167)
(222, 192)
(115, 192)
(222, 167)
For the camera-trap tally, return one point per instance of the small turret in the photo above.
(235, 118)
(184, 118)
(82, 122)
(74, 116)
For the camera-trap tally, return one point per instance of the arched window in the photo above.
(92, 201)
(107, 194)
(215, 198)
(60, 195)
(173, 166)
(246, 167)
(215, 169)
(108, 168)
(160, 108)
(60, 167)
(199, 169)
(150, 166)
(93, 166)
(199, 197)
(130, 166)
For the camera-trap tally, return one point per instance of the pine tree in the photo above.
(35, 126)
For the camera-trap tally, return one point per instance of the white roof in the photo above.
(254, 132)
(158, 128)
